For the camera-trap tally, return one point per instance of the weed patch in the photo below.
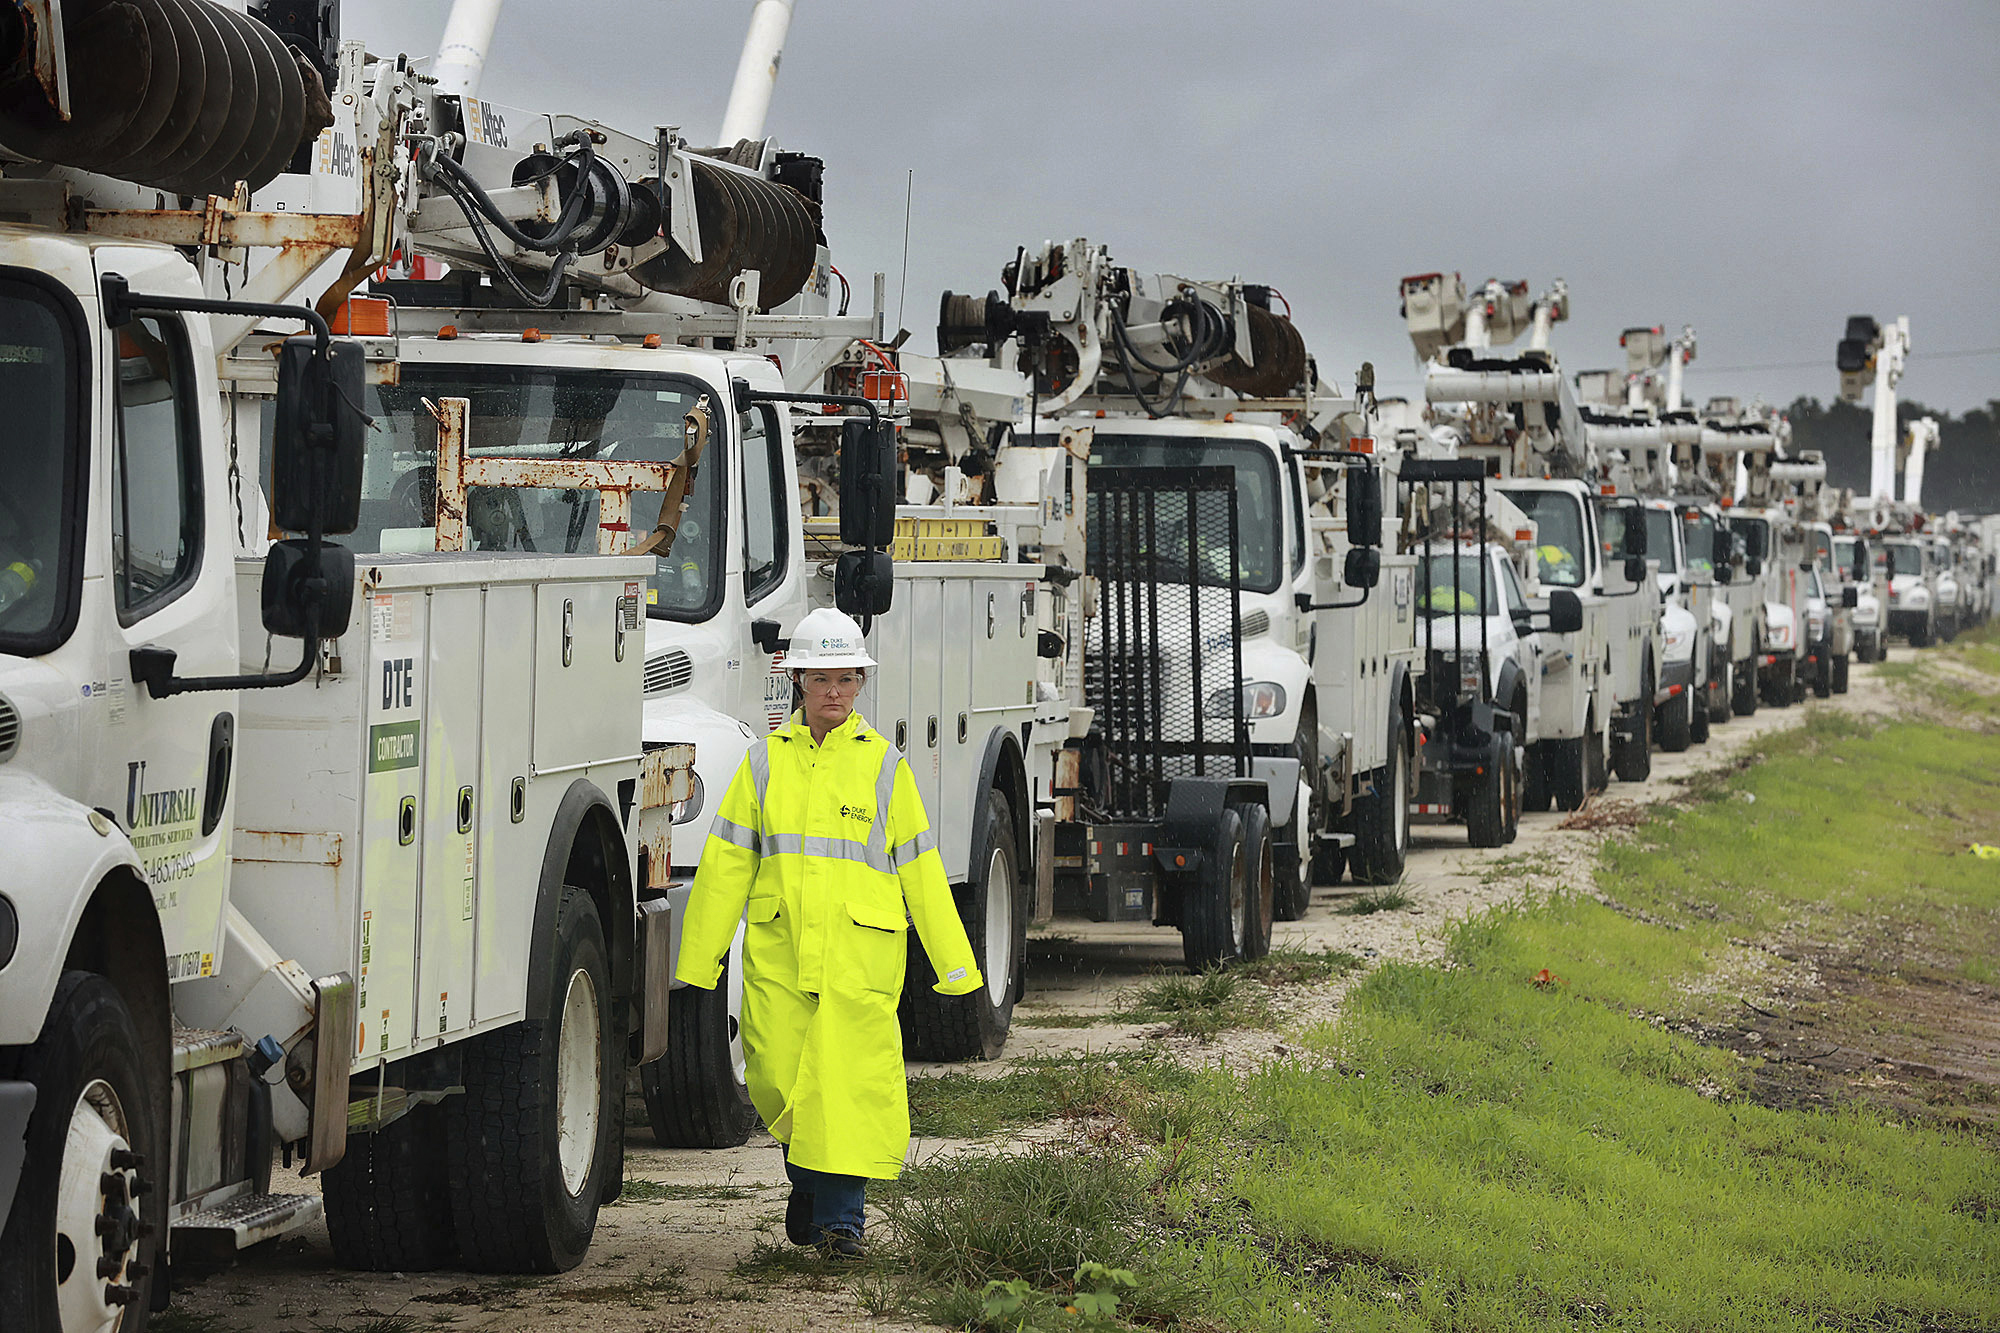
(1373, 901)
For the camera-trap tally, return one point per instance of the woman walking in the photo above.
(822, 846)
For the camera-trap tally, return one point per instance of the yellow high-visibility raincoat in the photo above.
(828, 848)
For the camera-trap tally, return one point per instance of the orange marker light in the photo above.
(651, 342)
(531, 335)
(447, 333)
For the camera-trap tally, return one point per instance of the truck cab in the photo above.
(1855, 568)
(1687, 591)
(1911, 572)
(1579, 688)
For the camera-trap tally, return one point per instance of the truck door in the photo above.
(772, 553)
(166, 544)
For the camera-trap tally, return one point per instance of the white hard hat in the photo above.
(826, 640)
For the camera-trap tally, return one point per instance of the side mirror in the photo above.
(1725, 549)
(319, 440)
(863, 581)
(1524, 623)
(867, 484)
(1565, 612)
(1753, 566)
(1723, 574)
(1364, 511)
(1635, 534)
(1754, 541)
(1850, 596)
(1363, 568)
(1635, 568)
(300, 596)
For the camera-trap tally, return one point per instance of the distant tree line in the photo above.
(1962, 472)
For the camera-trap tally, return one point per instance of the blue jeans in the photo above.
(837, 1200)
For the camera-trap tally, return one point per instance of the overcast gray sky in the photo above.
(1760, 171)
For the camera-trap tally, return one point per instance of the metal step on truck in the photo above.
(1171, 373)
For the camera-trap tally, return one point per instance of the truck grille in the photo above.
(10, 730)
(671, 670)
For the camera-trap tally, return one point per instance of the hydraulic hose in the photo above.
(464, 187)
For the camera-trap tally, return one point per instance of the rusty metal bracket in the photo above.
(458, 473)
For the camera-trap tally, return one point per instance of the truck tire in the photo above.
(1699, 719)
(1511, 756)
(1743, 698)
(1948, 629)
(993, 906)
(1717, 704)
(1261, 888)
(388, 1206)
(1569, 770)
(1486, 798)
(1292, 857)
(1922, 638)
(531, 1139)
(1822, 683)
(1839, 679)
(1779, 693)
(95, 1118)
(1535, 777)
(1600, 753)
(696, 1096)
(1213, 911)
(1382, 818)
(1677, 722)
(1634, 759)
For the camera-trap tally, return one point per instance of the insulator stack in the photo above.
(746, 223)
(183, 96)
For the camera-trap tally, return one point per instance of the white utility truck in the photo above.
(1169, 373)
(402, 915)
(1518, 415)
(1479, 699)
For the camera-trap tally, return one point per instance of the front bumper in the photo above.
(1905, 622)
(1674, 675)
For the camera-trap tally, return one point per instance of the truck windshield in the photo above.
(1822, 547)
(41, 499)
(1698, 530)
(547, 413)
(1559, 532)
(1461, 583)
(1259, 512)
(1905, 558)
(1660, 540)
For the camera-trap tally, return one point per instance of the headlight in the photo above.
(1815, 626)
(1781, 636)
(1680, 642)
(680, 812)
(1261, 698)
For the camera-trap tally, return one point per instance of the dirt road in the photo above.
(698, 1243)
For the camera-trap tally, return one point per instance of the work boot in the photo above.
(838, 1243)
(799, 1228)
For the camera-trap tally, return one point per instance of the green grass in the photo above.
(639, 1190)
(963, 1106)
(1292, 966)
(1482, 1147)
(1373, 901)
(1201, 1006)
(1034, 1019)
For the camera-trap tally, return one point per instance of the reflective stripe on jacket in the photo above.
(825, 850)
